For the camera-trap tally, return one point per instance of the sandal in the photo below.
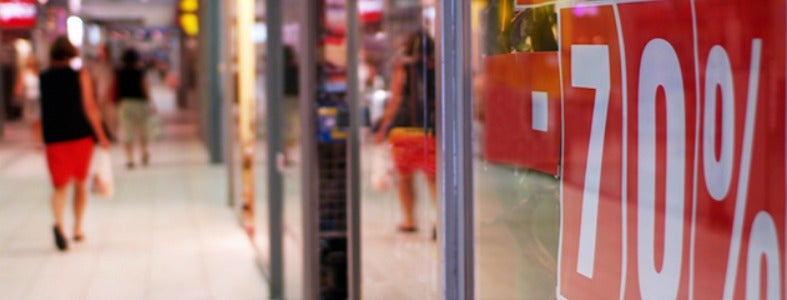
(79, 237)
(60, 239)
(406, 229)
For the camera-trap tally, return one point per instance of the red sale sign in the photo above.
(741, 167)
(18, 14)
(522, 124)
(591, 224)
(661, 150)
(673, 182)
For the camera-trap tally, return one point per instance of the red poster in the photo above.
(661, 115)
(740, 225)
(522, 109)
(702, 161)
(18, 14)
(591, 254)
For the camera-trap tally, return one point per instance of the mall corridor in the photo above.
(167, 234)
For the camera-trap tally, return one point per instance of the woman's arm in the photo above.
(145, 86)
(19, 86)
(146, 93)
(91, 108)
(392, 108)
(110, 93)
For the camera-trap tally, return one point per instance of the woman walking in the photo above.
(409, 122)
(135, 108)
(71, 120)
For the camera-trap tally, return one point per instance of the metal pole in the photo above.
(211, 81)
(228, 73)
(275, 95)
(308, 81)
(247, 108)
(214, 83)
(353, 154)
(455, 141)
(2, 93)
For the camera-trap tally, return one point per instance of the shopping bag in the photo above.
(103, 184)
(155, 127)
(382, 168)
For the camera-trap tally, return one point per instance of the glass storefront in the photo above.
(517, 154)
(398, 157)
(629, 149)
(620, 149)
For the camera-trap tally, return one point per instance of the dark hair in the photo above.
(130, 57)
(62, 49)
(419, 43)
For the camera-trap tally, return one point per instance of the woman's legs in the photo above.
(143, 143)
(129, 154)
(80, 202)
(407, 200)
(141, 128)
(126, 125)
(432, 182)
(59, 204)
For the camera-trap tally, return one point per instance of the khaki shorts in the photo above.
(133, 119)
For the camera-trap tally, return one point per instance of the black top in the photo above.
(129, 84)
(418, 98)
(62, 115)
(291, 80)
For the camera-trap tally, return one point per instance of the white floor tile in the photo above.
(167, 234)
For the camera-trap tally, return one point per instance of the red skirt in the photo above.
(413, 150)
(69, 160)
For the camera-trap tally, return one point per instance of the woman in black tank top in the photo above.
(410, 117)
(71, 121)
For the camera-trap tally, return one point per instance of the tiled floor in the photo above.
(168, 233)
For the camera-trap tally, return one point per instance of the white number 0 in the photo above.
(660, 67)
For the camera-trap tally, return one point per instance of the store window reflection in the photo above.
(398, 159)
(517, 147)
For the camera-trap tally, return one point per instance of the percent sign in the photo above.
(763, 233)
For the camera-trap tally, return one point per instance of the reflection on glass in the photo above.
(517, 145)
(398, 153)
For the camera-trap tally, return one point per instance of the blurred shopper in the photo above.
(101, 72)
(290, 105)
(71, 120)
(135, 106)
(27, 89)
(409, 121)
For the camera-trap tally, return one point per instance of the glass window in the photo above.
(629, 149)
(517, 145)
(398, 160)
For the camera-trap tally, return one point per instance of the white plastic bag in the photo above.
(382, 168)
(155, 127)
(103, 182)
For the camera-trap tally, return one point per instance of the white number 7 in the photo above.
(590, 69)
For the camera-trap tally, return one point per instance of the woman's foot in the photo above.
(60, 238)
(145, 159)
(78, 237)
(130, 165)
(407, 228)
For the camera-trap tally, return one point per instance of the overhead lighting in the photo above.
(75, 30)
